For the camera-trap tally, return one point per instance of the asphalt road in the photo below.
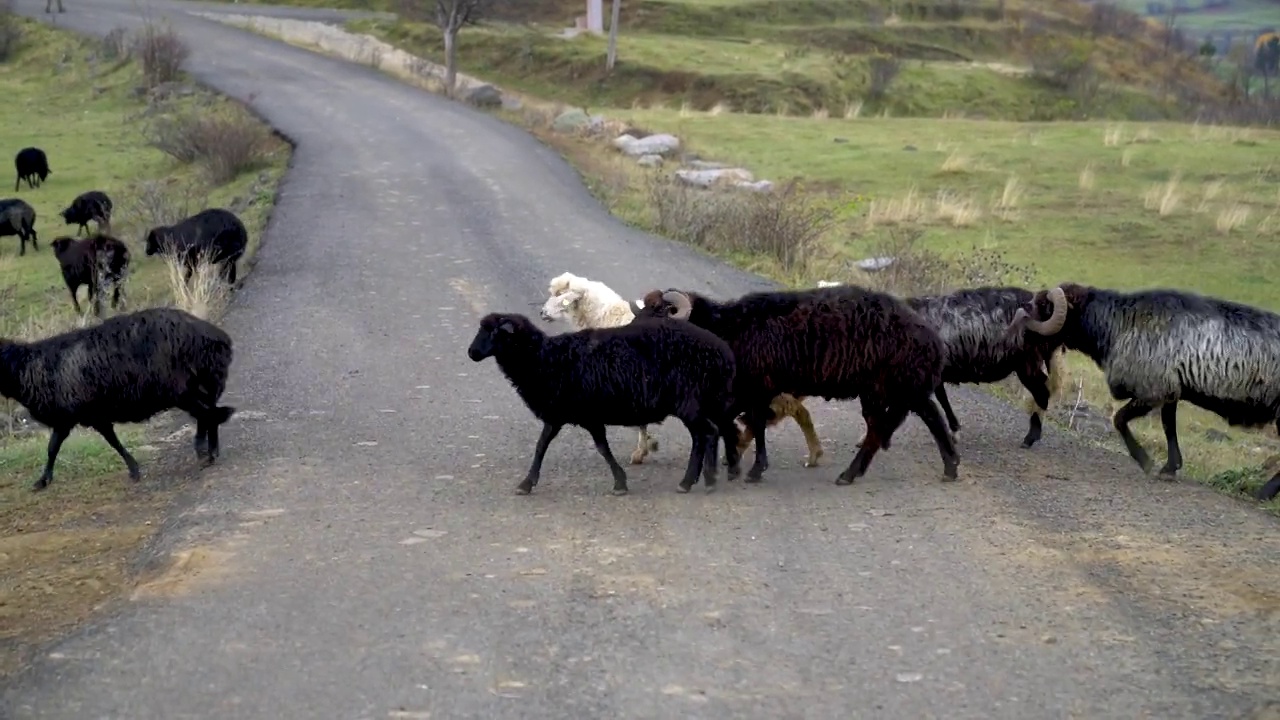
(360, 553)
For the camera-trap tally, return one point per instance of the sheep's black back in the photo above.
(124, 369)
(838, 342)
(636, 374)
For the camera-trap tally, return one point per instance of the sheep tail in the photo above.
(221, 414)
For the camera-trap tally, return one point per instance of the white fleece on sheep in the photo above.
(587, 303)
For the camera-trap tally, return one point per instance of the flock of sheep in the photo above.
(711, 363)
(131, 366)
(675, 353)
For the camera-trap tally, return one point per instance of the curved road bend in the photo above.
(1051, 583)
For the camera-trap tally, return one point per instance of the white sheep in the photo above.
(592, 304)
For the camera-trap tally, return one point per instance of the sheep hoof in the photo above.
(135, 474)
(950, 474)
(40, 484)
(620, 491)
(524, 488)
(1168, 474)
(683, 488)
(843, 479)
(637, 457)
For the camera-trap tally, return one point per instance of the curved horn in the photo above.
(1059, 317)
(682, 303)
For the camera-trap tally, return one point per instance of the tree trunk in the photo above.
(450, 60)
(612, 57)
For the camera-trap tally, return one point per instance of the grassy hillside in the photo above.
(67, 550)
(1016, 61)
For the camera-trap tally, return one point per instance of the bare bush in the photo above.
(161, 53)
(10, 31)
(152, 203)
(225, 143)
(783, 224)
(883, 70)
(115, 45)
(917, 270)
(205, 295)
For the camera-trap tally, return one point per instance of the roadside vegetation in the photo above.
(116, 115)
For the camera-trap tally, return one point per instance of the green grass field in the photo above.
(65, 550)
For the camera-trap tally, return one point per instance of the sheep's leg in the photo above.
(697, 453)
(728, 431)
(642, 446)
(602, 447)
(802, 417)
(927, 411)
(214, 446)
(75, 300)
(709, 457)
(549, 433)
(1169, 419)
(941, 394)
(880, 427)
(1036, 383)
(109, 433)
(1130, 412)
(757, 419)
(56, 436)
(201, 441)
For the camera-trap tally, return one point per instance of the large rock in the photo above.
(657, 144)
(570, 120)
(485, 96)
(707, 178)
(649, 161)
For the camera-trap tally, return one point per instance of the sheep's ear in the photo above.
(639, 304)
(507, 327)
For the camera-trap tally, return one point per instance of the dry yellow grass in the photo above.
(1164, 197)
(1087, 177)
(957, 162)
(1231, 217)
(956, 209)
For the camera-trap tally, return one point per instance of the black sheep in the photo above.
(633, 375)
(842, 342)
(214, 235)
(17, 217)
(90, 206)
(125, 369)
(99, 262)
(31, 164)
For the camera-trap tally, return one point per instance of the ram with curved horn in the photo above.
(1159, 347)
(843, 343)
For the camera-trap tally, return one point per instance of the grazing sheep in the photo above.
(125, 369)
(1158, 347)
(90, 206)
(836, 343)
(19, 218)
(633, 375)
(99, 262)
(1270, 490)
(214, 233)
(32, 166)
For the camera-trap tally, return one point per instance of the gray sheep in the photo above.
(125, 369)
(1159, 347)
(17, 217)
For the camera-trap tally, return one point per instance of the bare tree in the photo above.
(451, 15)
(614, 17)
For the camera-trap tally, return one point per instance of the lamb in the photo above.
(215, 233)
(93, 205)
(19, 218)
(125, 369)
(32, 166)
(100, 262)
(1159, 346)
(592, 304)
(842, 342)
(633, 375)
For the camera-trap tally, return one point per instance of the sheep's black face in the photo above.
(493, 332)
(60, 245)
(153, 242)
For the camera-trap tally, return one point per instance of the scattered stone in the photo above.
(875, 264)
(485, 96)
(430, 533)
(707, 178)
(650, 161)
(511, 103)
(659, 144)
(839, 140)
(1217, 436)
(910, 148)
(909, 677)
(570, 120)
(758, 186)
(163, 91)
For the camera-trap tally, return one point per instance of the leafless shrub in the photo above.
(917, 270)
(205, 295)
(10, 31)
(883, 70)
(151, 203)
(115, 45)
(783, 224)
(161, 53)
(226, 143)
